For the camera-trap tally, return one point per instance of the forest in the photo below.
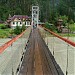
(49, 9)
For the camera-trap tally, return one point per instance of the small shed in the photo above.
(59, 24)
(60, 21)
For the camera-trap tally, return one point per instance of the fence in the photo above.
(11, 54)
(62, 49)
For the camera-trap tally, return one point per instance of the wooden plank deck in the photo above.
(38, 60)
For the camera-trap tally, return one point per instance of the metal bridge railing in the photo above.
(62, 49)
(11, 54)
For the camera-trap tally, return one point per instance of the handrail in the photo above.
(7, 44)
(64, 39)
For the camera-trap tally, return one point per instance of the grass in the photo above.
(1, 25)
(72, 27)
(66, 34)
(4, 33)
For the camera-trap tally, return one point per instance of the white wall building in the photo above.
(19, 20)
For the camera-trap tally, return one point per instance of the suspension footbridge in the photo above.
(37, 51)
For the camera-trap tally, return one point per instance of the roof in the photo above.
(60, 20)
(18, 16)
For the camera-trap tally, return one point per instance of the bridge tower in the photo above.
(35, 16)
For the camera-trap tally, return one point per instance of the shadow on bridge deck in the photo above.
(38, 60)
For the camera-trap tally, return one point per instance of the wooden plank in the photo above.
(38, 60)
(38, 63)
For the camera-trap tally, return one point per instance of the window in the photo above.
(20, 23)
(19, 19)
(13, 22)
(27, 23)
(30, 23)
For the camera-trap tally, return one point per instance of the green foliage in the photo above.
(48, 8)
(72, 27)
(50, 26)
(11, 31)
(62, 8)
(4, 33)
(17, 30)
(23, 28)
(2, 26)
(65, 19)
(7, 32)
(71, 21)
(65, 35)
(47, 25)
(18, 11)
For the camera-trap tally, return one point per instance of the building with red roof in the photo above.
(19, 20)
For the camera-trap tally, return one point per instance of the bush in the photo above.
(4, 33)
(47, 25)
(2, 26)
(65, 19)
(71, 21)
(23, 28)
(17, 30)
(50, 26)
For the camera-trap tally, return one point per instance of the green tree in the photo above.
(50, 26)
(48, 8)
(23, 28)
(65, 19)
(17, 30)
